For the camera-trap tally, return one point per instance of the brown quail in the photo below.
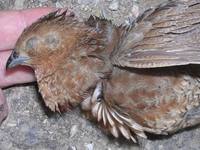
(130, 79)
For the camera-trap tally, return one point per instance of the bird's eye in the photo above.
(52, 41)
(32, 43)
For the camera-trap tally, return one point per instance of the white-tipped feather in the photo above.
(154, 131)
(110, 119)
(132, 123)
(57, 108)
(104, 116)
(125, 132)
(116, 117)
(133, 139)
(95, 109)
(99, 115)
(136, 126)
(122, 117)
(114, 131)
(140, 133)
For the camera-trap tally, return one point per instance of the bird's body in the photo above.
(159, 101)
(131, 80)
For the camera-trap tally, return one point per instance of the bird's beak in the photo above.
(15, 59)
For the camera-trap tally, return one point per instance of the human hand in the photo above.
(12, 24)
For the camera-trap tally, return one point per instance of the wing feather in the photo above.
(164, 36)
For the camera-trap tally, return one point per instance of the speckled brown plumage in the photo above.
(53, 43)
(130, 79)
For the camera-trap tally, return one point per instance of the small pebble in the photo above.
(11, 124)
(114, 5)
(45, 121)
(54, 1)
(82, 7)
(135, 11)
(79, 1)
(43, 1)
(86, 8)
(89, 146)
(160, 147)
(19, 4)
(59, 5)
(72, 148)
(74, 130)
(73, 2)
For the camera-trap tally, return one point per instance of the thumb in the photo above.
(3, 107)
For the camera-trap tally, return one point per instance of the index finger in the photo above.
(12, 24)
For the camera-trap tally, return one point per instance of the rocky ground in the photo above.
(31, 126)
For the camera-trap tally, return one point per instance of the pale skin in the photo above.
(12, 23)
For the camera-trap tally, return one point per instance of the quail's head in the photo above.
(40, 42)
